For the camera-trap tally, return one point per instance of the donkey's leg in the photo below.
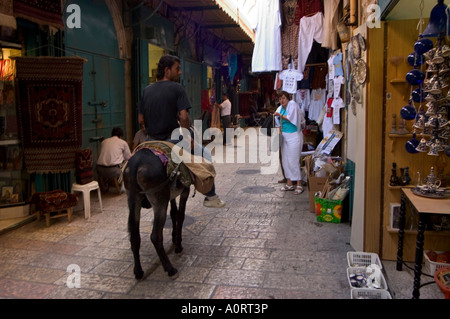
(173, 216)
(160, 212)
(180, 215)
(134, 204)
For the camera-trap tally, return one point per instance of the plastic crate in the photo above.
(431, 266)
(362, 270)
(445, 288)
(360, 259)
(365, 293)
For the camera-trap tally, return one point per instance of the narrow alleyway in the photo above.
(264, 244)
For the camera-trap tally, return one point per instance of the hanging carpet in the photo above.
(46, 12)
(49, 109)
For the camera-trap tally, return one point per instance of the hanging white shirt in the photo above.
(318, 99)
(330, 62)
(290, 78)
(337, 82)
(338, 103)
(267, 50)
(303, 99)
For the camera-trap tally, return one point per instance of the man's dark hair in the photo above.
(166, 61)
(117, 131)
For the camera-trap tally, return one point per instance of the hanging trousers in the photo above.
(311, 28)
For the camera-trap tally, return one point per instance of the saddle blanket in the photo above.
(195, 171)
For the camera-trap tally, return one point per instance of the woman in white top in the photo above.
(290, 119)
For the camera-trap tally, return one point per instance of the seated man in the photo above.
(140, 136)
(113, 153)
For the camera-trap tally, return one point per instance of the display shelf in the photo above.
(400, 187)
(443, 233)
(400, 135)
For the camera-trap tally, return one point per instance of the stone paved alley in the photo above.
(264, 244)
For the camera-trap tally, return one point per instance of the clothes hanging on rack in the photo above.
(289, 34)
(320, 76)
(330, 22)
(327, 124)
(337, 105)
(267, 50)
(307, 8)
(338, 68)
(318, 98)
(290, 78)
(303, 99)
(311, 28)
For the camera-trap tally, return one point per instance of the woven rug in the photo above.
(47, 12)
(49, 109)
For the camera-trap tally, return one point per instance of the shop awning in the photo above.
(221, 17)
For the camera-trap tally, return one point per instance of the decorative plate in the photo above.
(360, 71)
(362, 42)
(356, 49)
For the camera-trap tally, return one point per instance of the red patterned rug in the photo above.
(49, 109)
(40, 11)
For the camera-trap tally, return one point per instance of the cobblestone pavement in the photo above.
(264, 244)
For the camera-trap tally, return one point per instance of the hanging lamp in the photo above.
(438, 21)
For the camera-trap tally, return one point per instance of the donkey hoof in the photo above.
(138, 274)
(173, 274)
(178, 249)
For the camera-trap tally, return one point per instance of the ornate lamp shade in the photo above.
(438, 21)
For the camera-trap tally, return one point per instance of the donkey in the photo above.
(147, 183)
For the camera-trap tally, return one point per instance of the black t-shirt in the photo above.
(160, 104)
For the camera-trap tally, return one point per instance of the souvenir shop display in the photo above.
(429, 80)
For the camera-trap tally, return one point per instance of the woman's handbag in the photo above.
(268, 124)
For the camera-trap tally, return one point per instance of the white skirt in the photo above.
(290, 155)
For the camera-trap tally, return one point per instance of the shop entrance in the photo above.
(103, 74)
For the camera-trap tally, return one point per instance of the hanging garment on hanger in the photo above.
(318, 98)
(338, 68)
(320, 77)
(289, 34)
(307, 8)
(290, 78)
(331, 67)
(303, 99)
(327, 124)
(267, 50)
(337, 82)
(330, 21)
(311, 28)
(337, 105)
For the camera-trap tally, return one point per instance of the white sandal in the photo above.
(288, 187)
(298, 190)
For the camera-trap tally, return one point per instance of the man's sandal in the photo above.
(288, 187)
(298, 190)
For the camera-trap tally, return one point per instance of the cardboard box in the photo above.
(315, 184)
